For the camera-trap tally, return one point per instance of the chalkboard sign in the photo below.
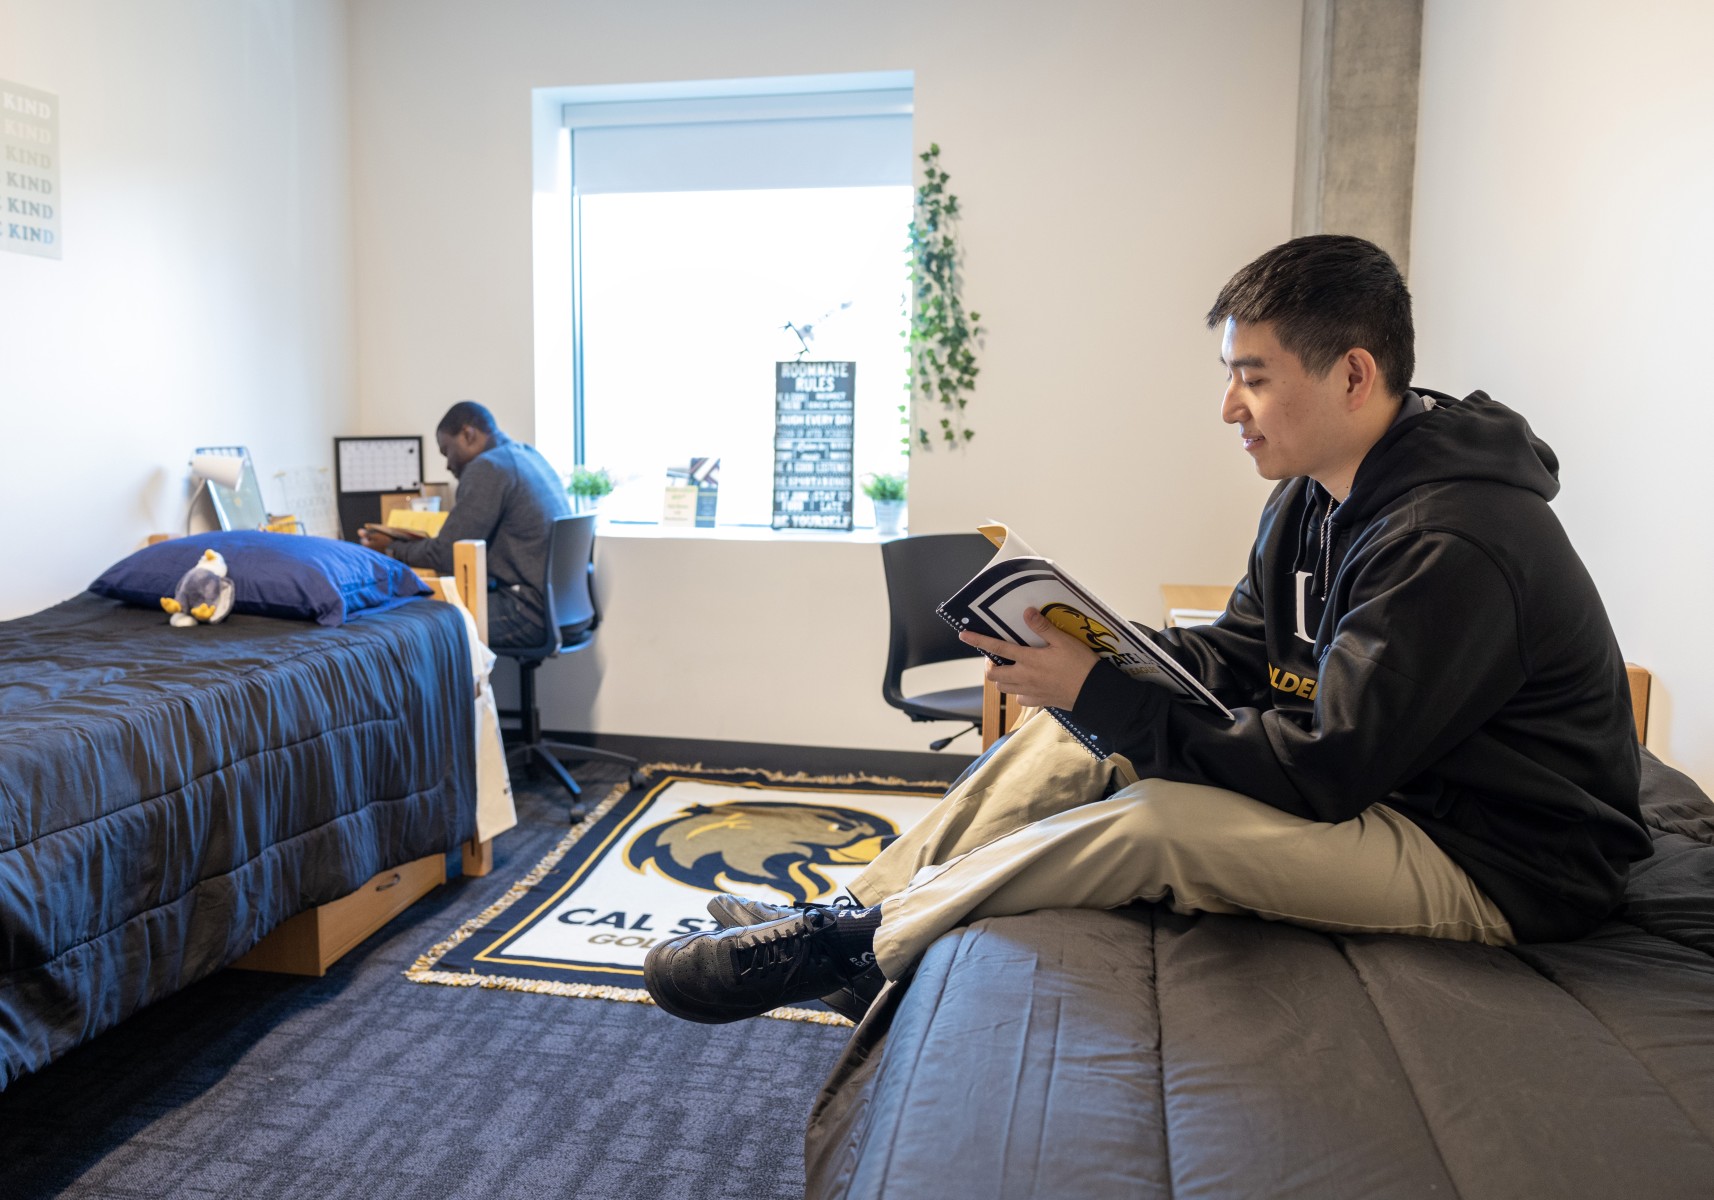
(814, 407)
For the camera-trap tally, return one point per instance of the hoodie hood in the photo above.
(1473, 439)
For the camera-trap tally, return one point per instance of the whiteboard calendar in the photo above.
(379, 464)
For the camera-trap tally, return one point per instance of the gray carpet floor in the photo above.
(365, 1084)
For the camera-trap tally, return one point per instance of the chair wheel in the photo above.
(639, 778)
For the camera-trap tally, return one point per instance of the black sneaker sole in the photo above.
(852, 1002)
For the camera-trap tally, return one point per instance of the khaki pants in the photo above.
(1042, 824)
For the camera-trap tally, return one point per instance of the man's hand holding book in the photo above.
(1048, 676)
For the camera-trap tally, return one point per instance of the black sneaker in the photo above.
(850, 1001)
(733, 974)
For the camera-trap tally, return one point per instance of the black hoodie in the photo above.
(1433, 643)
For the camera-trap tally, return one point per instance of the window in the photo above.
(714, 235)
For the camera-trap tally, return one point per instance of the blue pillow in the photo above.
(274, 575)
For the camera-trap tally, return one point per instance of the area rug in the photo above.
(644, 863)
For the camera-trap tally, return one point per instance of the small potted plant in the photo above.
(888, 493)
(586, 487)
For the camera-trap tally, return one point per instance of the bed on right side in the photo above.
(1139, 1053)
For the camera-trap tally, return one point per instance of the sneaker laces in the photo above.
(784, 947)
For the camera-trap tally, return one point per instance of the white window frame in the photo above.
(560, 113)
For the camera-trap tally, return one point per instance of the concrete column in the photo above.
(1356, 140)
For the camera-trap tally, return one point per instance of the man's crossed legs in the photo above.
(1043, 824)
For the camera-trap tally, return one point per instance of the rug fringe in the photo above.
(933, 785)
(593, 991)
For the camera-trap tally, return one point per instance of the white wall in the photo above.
(204, 296)
(1562, 260)
(1116, 160)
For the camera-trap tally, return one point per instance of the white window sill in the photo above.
(863, 535)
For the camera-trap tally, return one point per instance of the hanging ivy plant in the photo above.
(943, 336)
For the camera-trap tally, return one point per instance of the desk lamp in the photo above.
(224, 469)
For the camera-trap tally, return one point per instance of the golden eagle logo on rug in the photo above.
(1085, 629)
(777, 844)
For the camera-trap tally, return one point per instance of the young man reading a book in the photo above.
(1431, 736)
(508, 496)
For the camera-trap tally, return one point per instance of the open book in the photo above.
(408, 525)
(1017, 578)
(397, 532)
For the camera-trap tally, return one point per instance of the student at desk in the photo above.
(508, 496)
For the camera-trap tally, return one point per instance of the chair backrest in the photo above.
(921, 572)
(569, 593)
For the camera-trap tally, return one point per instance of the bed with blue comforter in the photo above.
(168, 796)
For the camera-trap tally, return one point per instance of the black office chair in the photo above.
(573, 616)
(922, 571)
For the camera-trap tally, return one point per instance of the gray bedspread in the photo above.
(1144, 1054)
(168, 796)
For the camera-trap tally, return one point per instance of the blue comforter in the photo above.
(168, 796)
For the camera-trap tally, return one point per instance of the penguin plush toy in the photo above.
(204, 593)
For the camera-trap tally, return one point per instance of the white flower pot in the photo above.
(889, 517)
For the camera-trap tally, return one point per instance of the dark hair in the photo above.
(1323, 295)
(467, 414)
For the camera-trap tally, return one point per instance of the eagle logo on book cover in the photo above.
(743, 844)
(1084, 628)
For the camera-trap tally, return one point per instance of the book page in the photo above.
(1009, 544)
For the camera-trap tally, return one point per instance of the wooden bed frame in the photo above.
(312, 941)
(470, 579)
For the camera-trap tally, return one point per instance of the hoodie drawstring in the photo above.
(1327, 546)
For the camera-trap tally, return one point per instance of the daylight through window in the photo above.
(713, 238)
